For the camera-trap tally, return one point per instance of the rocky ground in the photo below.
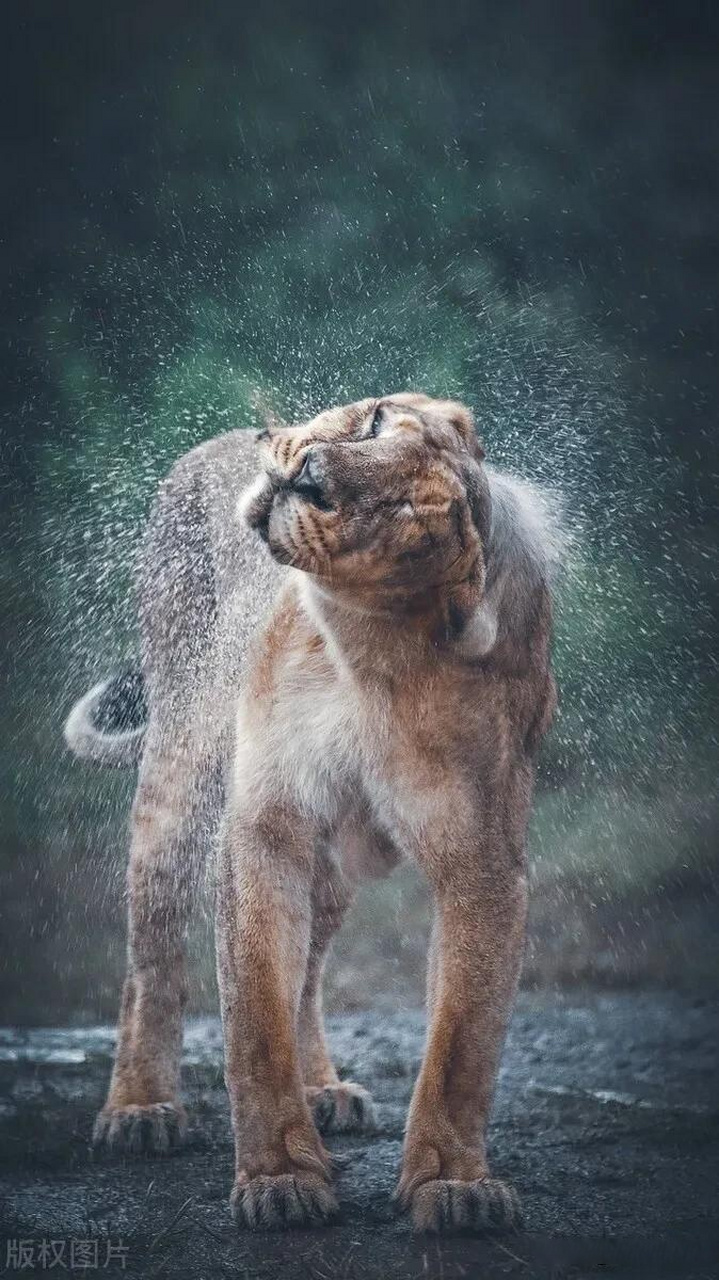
(606, 1121)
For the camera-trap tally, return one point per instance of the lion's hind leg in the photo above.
(177, 799)
(143, 1111)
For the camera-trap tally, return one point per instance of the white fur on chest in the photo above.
(309, 744)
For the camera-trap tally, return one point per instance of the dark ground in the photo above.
(606, 1120)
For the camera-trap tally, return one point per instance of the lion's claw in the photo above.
(156, 1129)
(342, 1108)
(486, 1204)
(284, 1200)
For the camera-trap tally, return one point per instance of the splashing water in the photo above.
(152, 345)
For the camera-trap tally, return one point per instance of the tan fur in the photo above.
(391, 707)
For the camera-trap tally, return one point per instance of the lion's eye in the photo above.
(376, 422)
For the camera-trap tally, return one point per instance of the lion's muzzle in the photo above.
(310, 482)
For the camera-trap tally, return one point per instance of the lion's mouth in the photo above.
(255, 506)
(310, 493)
(260, 503)
(262, 525)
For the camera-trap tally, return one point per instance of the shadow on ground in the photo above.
(606, 1121)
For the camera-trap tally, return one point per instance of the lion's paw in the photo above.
(272, 1203)
(154, 1129)
(486, 1204)
(342, 1108)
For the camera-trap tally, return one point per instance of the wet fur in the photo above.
(382, 697)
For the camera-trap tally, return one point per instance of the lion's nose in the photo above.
(308, 478)
(309, 482)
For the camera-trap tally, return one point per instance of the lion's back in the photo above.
(204, 588)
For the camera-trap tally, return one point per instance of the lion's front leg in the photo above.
(480, 891)
(264, 919)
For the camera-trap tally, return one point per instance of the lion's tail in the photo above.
(107, 725)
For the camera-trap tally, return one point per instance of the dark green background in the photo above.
(512, 204)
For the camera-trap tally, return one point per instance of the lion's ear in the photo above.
(271, 421)
(463, 422)
(475, 446)
(479, 500)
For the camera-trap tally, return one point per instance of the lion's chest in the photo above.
(314, 734)
(313, 740)
(323, 743)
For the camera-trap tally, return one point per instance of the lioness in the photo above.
(390, 705)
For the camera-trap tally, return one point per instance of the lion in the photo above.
(374, 689)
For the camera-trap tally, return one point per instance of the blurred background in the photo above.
(512, 204)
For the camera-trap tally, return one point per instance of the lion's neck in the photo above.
(381, 641)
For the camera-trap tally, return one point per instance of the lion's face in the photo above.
(386, 493)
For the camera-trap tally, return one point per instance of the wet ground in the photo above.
(607, 1121)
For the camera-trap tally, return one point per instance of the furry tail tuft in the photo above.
(107, 725)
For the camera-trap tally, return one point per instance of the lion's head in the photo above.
(386, 497)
